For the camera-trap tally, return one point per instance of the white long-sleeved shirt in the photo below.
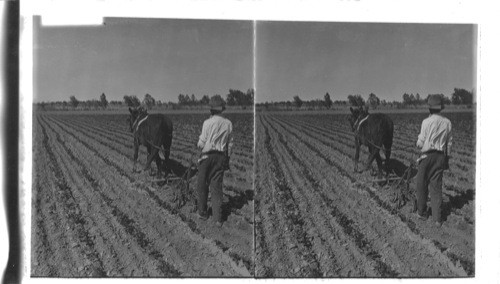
(435, 134)
(216, 134)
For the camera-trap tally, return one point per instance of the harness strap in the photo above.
(356, 133)
(137, 123)
(361, 122)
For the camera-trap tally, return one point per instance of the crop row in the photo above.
(336, 229)
(345, 199)
(182, 143)
(82, 167)
(123, 144)
(456, 192)
(324, 155)
(115, 162)
(109, 177)
(60, 163)
(406, 127)
(458, 184)
(345, 148)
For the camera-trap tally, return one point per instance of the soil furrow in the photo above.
(347, 224)
(294, 222)
(381, 203)
(73, 214)
(131, 179)
(127, 223)
(275, 261)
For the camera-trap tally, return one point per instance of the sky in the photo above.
(309, 59)
(167, 57)
(133, 56)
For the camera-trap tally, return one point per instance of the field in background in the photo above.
(93, 217)
(315, 217)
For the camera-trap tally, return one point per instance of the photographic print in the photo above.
(365, 150)
(143, 149)
(178, 141)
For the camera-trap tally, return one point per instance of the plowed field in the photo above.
(93, 217)
(315, 217)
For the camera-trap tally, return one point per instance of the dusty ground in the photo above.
(314, 217)
(93, 217)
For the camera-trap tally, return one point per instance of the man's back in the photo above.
(216, 134)
(435, 134)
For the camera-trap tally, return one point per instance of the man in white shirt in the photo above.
(435, 142)
(215, 143)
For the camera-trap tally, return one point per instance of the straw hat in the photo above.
(435, 102)
(216, 103)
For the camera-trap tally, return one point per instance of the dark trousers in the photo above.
(210, 176)
(430, 180)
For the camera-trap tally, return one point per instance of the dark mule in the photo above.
(375, 131)
(153, 131)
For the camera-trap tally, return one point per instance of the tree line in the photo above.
(235, 98)
(458, 97)
(246, 99)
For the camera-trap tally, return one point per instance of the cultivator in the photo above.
(178, 180)
(398, 183)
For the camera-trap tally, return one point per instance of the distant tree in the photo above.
(356, 100)
(131, 101)
(231, 98)
(297, 101)
(148, 101)
(104, 101)
(461, 96)
(218, 97)
(73, 101)
(406, 99)
(94, 104)
(183, 99)
(446, 100)
(328, 101)
(135, 101)
(127, 101)
(412, 100)
(373, 101)
(193, 100)
(250, 96)
(205, 100)
(237, 97)
(418, 99)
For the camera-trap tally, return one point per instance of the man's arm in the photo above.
(447, 149)
(230, 140)
(449, 141)
(229, 145)
(421, 136)
(203, 137)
